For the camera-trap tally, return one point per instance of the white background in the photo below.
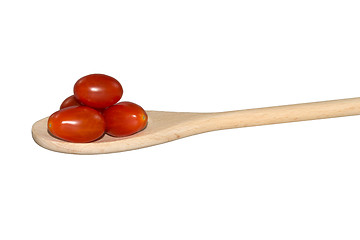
(287, 181)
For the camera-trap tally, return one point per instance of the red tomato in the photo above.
(124, 118)
(98, 90)
(77, 124)
(69, 102)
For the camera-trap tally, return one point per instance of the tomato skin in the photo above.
(80, 124)
(69, 102)
(98, 91)
(124, 119)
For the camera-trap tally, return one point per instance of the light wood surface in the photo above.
(168, 126)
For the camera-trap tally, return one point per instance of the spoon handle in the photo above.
(284, 114)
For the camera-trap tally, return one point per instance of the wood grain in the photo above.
(168, 126)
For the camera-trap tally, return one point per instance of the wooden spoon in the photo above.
(168, 126)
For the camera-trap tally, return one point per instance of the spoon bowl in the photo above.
(162, 127)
